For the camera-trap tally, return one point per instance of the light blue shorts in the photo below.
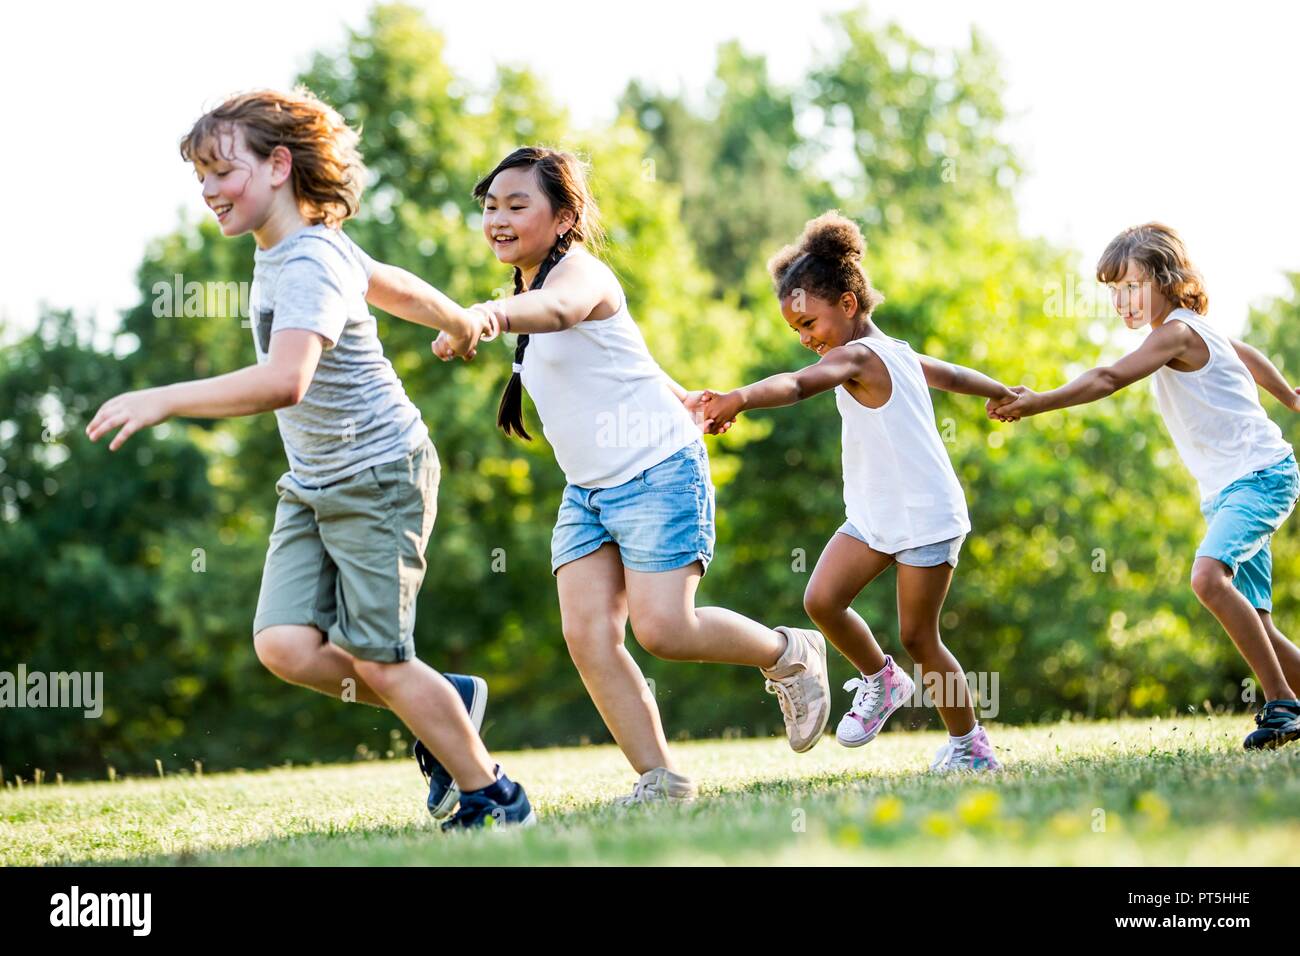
(926, 556)
(661, 519)
(1242, 518)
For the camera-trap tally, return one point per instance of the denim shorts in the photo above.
(1243, 517)
(661, 519)
(926, 556)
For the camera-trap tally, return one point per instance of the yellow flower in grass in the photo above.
(979, 808)
(1067, 823)
(887, 811)
(1153, 808)
(939, 825)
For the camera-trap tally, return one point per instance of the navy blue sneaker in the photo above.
(1277, 723)
(489, 808)
(443, 792)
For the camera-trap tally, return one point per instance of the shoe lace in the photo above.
(643, 791)
(866, 696)
(944, 757)
(1274, 718)
(424, 760)
(789, 694)
(472, 808)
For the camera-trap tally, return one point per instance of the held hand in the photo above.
(1294, 404)
(443, 348)
(721, 408)
(490, 317)
(1014, 409)
(464, 342)
(694, 404)
(130, 411)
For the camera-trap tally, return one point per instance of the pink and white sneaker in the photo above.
(875, 699)
(971, 754)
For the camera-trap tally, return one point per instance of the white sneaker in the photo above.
(659, 785)
(971, 756)
(875, 699)
(799, 682)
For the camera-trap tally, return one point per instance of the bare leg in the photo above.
(1288, 655)
(433, 711)
(593, 608)
(302, 656)
(668, 625)
(921, 592)
(1213, 586)
(846, 566)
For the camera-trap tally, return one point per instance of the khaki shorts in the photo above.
(348, 559)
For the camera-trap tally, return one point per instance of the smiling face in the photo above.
(518, 221)
(1137, 299)
(822, 325)
(238, 185)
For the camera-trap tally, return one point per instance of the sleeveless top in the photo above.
(900, 490)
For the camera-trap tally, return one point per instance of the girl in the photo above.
(903, 502)
(635, 529)
(358, 501)
(1205, 385)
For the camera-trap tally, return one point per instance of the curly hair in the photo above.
(1160, 254)
(327, 174)
(826, 262)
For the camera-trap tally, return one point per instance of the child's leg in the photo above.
(426, 702)
(301, 655)
(667, 623)
(921, 593)
(845, 567)
(593, 608)
(1288, 655)
(1212, 582)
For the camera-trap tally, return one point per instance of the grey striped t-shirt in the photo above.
(355, 413)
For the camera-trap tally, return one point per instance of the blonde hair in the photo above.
(1160, 254)
(328, 174)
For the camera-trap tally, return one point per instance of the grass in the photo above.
(1132, 792)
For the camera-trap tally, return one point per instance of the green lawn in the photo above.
(1172, 791)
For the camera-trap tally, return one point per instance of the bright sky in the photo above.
(1124, 112)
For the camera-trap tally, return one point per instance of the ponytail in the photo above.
(510, 413)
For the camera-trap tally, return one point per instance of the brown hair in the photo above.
(564, 184)
(1160, 254)
(826, 262)
(327, 173)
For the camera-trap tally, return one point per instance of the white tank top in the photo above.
(1214, 415)
(900, 489)
(604, 402)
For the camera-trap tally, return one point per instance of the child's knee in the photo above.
(1210, 580)
(820, 604)
(919, 642)
(280, 649)
(661, 636)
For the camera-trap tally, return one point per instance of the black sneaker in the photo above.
(478, 810)
(1277, 723)
(443, 792)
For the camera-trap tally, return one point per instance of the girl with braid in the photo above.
(902, 499)
(635, 530)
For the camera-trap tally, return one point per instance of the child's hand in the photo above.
(491, 318)
(443, 347)
(1294, 404)
(720, 409)
(131, 411)
(1015, 408)
(694, 404)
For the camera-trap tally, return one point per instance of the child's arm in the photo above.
(571, 293)
(963, 381)
(407, 296)
(282, 381)
(1267, 375)
(785, 388)
(1163, 344)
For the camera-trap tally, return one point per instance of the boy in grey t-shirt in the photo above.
(356, 413)
(346, 556)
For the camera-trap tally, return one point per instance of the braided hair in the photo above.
(564, 184)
